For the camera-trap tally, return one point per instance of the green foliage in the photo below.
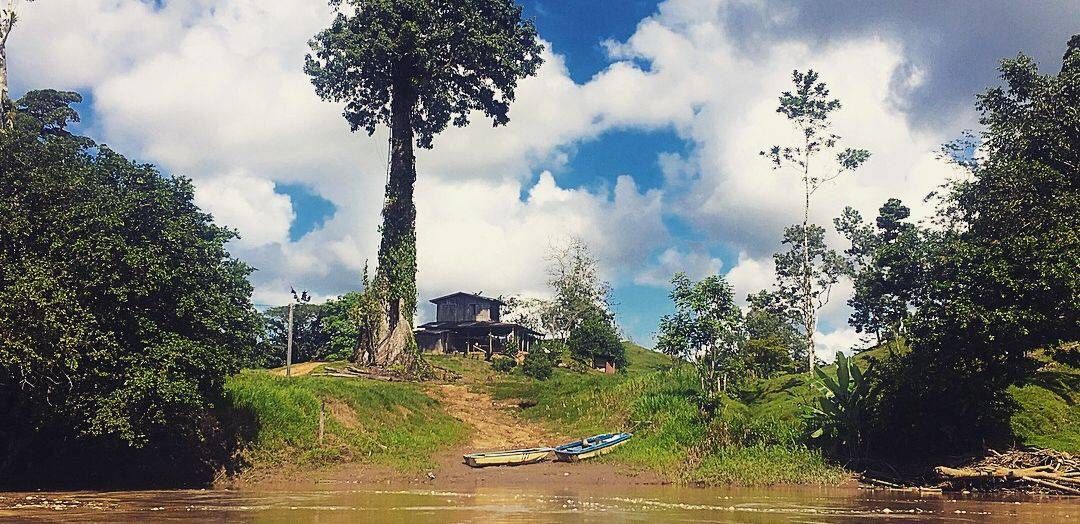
(772, 344)
(538, 364)
(656, 399)
(806, 245)
(1048, 409)
(503, 365)
(375, 50)
(841, 413)
(885, 264)
(310, 339)
(1001, 278)
(351, 321)
(765, 465)
(706, 330)
(122, 311)
(594, 338)
(378, 422)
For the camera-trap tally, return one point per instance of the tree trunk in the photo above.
(397, 250)
(5, 102)
(809, 322)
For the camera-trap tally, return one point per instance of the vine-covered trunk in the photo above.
(397, 251)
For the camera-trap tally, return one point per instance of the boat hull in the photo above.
(515, 457)
(591, 447)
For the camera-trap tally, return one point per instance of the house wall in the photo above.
(462, 308)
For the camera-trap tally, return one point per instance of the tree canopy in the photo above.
(1001, 276)
(705, 329)
(122, 310)
(453, 57)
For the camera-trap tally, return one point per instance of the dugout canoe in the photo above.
(513, 457)
(593, 446)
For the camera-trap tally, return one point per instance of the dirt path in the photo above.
(298, 369)
(494, 427)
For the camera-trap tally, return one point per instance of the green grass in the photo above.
(655, 398)
(378, 422)
(763, 465)
(1048, 409)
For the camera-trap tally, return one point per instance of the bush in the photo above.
(595, 339)
(503, 365)
(538, 364)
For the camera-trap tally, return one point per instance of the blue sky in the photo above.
(639, 134)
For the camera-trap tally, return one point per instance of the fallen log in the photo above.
(995, 474)
(1056, 486)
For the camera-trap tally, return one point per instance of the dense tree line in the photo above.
(961, 301)
(998, 276)
(122, 311)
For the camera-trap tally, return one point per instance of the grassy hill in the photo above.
(385, 423)
(756, 440)
(655, 398)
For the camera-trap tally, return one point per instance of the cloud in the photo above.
(696, 264)
(954, 47)
(751, 275)
(248, 204)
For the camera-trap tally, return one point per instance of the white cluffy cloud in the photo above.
(214, 90)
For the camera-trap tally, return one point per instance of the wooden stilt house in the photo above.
(466, 322)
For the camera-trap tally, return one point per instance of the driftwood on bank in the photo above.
(1033, 469)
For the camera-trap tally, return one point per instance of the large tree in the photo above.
(416, 66)
(809, 108)
(122, 313)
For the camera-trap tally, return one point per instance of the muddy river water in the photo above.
(573, 504)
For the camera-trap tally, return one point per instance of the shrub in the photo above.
(537, 365)
(503, 365)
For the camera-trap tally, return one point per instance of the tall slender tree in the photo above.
(416, 66)
(809, 109)
(7, 23)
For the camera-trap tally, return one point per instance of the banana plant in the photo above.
(839, 416)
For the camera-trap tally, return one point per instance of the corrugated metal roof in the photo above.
(473, 295)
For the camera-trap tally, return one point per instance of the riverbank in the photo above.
(413, 435)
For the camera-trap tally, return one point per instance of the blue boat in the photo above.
(593, 446)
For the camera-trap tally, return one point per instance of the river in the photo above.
(634, 504)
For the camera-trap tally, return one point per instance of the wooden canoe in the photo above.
(593, 446)
(513, 457)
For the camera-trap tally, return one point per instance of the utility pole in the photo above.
(302, 297)
(288, 345)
